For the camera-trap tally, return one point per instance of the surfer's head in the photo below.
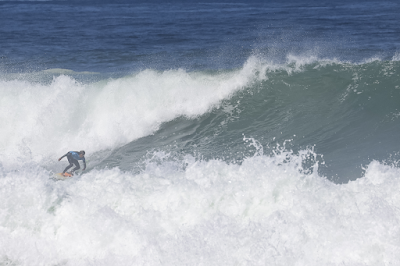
(82, 153)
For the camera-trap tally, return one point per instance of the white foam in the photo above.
(263, 212)
(39, 121)
(396, 56)
(375, 58)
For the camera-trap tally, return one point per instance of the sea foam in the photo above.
(268, 210)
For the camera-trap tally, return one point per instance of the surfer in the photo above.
(73, 157)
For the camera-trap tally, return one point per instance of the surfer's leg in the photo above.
(71, 163)
(77, 166)
(66, 169)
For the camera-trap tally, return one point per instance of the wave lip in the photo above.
(105, 114)
(325, 102)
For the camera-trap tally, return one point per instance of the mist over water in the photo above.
(215, 133)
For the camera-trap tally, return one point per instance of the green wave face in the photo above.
(348, 113)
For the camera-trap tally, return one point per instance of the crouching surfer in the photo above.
(73, 157)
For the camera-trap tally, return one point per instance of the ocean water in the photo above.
(216, 132)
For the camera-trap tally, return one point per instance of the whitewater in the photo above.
(105, 114)
(179, 172)
(261, 212)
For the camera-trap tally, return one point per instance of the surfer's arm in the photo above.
(84, 164)
(63, 156)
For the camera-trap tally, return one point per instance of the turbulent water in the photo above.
(250, 143)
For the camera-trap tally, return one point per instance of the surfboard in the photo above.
(60, 176)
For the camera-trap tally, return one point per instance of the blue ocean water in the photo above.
(216, 133)
(110, 36)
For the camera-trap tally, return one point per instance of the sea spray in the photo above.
(210, 212)
(106, 114)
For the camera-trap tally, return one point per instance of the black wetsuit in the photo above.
(70, 156)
